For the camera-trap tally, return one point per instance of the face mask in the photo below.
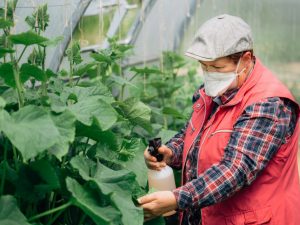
(216, 82)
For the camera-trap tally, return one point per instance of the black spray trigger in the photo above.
(154, 144)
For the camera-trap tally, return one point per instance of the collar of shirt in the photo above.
(226, 97)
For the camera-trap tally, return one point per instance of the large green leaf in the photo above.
(86, 199)
(166, 135)
(136, 112)
(31, 130)
(57, 105)
(65, 123)
(156, 221)
(46, 171)
(107, 138)
(118, 186)
(138, 147)
(53, 42)
(27, 38)
(173, 112)
(4, 51)
(27, 70)
(101, 57)
(7, 73)
(33, 183)
(121, 81)
(93, 108)
(129, 155)
(2, 103)
(83, 93)
(73, 53)
(10, 213)
(5, 23)
(83, 69)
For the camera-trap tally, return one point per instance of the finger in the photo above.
(146, 199)
(156, 165)
(164, 150)
(149, 217)
(149, 157)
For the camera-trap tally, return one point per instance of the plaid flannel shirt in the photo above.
(274, 117)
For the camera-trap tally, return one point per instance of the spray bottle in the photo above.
(162, 180)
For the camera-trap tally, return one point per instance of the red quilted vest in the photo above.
(274, 197)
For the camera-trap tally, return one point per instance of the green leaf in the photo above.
(138, 147)
(83, 69)
(173, 112)
(83, 93)
(94, 108)
(39, 19)
(85, 198)
(31, 130)
(28, 70)
(30, 186)
(156, 221)
(7, 73)
(118, 186)
(121, 81)
(105, 138)
(101, 57)
(5, 23)
(50, 73)
(73, 53)
(136, 112)
(52, 42)
(129, 156)
(146, 70)
(4, 51)
(46, 172)
(10, 213)
(57, 105)
(166, 135)
(65, 123)
(2, 103)
(27, 38)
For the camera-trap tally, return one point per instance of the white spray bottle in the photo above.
(162, 180)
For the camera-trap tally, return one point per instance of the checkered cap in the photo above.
(221, 36)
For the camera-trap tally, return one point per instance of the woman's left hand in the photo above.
(157, 203)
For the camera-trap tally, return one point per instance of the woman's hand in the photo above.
(157, 203)
(151, 161)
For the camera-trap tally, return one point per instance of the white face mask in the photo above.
(216, 83)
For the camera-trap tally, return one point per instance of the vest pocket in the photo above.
(255, 217)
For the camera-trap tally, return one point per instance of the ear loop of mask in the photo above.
(238, 74)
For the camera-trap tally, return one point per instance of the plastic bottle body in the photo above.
(162, 180)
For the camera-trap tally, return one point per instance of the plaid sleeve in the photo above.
(259, 132)
(176, 145)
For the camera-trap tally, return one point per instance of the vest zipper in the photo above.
(220, 131)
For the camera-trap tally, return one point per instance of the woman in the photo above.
(238, 152)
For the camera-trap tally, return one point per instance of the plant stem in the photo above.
(55, 217)
(24, 49)
(4, 168)
(15, 158)
(44, 82)
(82, 219)
(62, 207)
(86, 144)
(165, 122)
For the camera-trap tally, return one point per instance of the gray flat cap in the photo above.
(221, 36)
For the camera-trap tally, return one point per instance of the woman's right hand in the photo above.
(152, 162)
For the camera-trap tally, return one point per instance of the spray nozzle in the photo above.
(154, 144)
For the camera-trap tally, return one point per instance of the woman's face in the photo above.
(226, 64)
